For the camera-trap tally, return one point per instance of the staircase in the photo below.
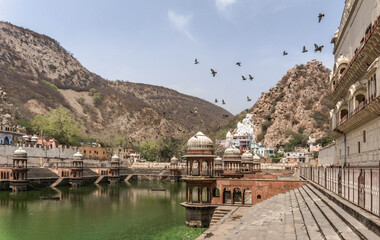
(59, 181)
(100, 178)
(219, 213)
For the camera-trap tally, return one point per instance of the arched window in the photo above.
(343, 113)
(342, 70)
(259, 196)
(216, 192)
(359, 99)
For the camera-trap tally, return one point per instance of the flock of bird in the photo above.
(317, 48)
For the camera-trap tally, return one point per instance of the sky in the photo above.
(156, 41)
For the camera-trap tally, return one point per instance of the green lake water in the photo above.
(122, 211)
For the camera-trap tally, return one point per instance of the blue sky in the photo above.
(156, 41)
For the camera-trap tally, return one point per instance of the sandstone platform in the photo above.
(302, 213)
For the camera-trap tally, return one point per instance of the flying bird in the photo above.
(196, 61)
(304, 49)
(284, 53)
(213, 72)
(318, 48)
(320, 16)
(250, 77)
(248, 99)
(216, 100)
(238, 64)
(223, 102)
(244, 78)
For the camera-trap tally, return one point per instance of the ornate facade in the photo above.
(11, 134)
(355, 86)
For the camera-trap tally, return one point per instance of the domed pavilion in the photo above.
(232, 164)
(76, 171)
(199, 180)
(19, 174)
(175, 170)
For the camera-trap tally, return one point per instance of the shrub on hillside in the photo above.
(50, 84)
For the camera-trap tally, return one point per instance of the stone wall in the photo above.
(327, 155)
(37, 156)
(369, 150)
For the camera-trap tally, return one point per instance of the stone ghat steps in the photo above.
(218, 214)
(302, 213)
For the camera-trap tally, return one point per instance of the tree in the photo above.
(149, 150)
(60, 124)
(120, 141)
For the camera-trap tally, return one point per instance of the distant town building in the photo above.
(11, 134)
(296, 157)
(96, 153)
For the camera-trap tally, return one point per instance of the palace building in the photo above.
(350, 166)
(355, 87)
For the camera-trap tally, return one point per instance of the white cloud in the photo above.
(181, 23)
(222, 5)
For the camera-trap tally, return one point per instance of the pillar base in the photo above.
(19, 185)
(113, 179)
(199, 215)
(76, 182)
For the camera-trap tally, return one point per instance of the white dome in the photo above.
(256, 157)
(247, 156)
(78, 156)
(218, 160)
(115, 158)
(232, 152)
(174, 160)
(20, 152)
(200, 142)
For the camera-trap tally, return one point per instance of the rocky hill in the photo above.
(38, 75)
(297, 105)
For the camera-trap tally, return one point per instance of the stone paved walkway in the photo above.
(302, 213)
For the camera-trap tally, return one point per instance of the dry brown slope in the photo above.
(30, 63)
(298, 103)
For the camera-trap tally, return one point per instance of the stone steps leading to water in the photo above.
(218, 214)
(302, 213)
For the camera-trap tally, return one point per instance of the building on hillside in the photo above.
(296, 157)
(260, 150)
(11, 134)
(355, 86)
(96, 153)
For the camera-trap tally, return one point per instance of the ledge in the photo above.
(365, 54)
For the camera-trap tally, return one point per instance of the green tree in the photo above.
(60, 124)
(120, 141)
(149, 150)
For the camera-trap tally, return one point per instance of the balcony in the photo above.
(364, 55)
(364, 112)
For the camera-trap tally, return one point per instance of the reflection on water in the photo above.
(121, 211)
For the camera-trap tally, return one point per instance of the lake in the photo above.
(121, 211)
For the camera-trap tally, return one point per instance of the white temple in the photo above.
(245, 127)
(242, 136)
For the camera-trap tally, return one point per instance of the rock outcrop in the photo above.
(298, 104)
